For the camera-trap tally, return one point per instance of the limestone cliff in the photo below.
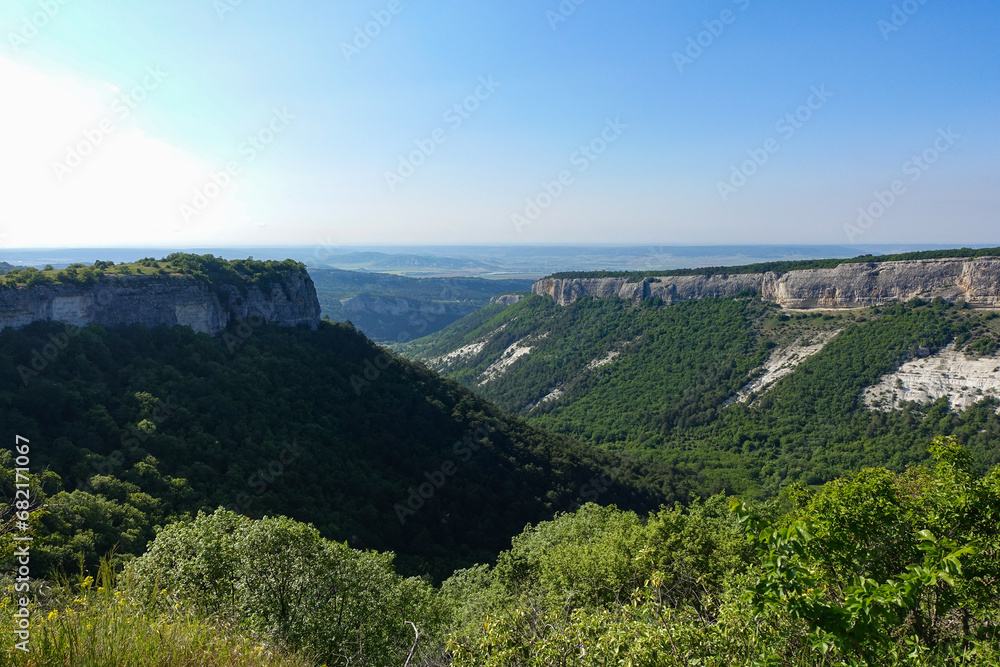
(853, 285)
(507, 299)
(155, 300)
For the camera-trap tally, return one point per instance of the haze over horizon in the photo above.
(228, 123)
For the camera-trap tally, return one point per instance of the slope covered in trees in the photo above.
(137, 427)
(658, 381)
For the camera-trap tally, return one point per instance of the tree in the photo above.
(882, 565)
(278, 577)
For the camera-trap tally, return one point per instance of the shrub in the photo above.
(278, 577)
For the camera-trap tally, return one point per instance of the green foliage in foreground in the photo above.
(879, 569)
(280, 579)
(98, 624)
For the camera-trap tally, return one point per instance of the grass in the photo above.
(83, 625)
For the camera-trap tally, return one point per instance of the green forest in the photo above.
(137, 427)
(287, 496)
(666, 396)
(878, 568)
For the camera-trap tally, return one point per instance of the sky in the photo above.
(252, 122)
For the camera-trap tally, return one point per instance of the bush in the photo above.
(278, 578)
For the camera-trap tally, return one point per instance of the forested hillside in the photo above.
(137, 427)
(660, 382)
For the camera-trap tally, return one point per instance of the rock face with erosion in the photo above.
(854, 285)
(155, 300)
(963, 379)
(507, 299)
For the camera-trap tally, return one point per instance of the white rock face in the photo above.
(608, 358)
(781, 363)
(194, 315)
(467, 351)
(551, 396)
(977, 281)
(517, 350)
(71, 309)
(964, 380)
(507, 299)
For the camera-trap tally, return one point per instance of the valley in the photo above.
(724, 388)
(392, 308)
(528, 428)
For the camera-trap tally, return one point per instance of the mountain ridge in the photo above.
(849, 285)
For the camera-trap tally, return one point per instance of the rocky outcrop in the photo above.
(856, 285)
(507, 299)
(964, 380)
(155, 300)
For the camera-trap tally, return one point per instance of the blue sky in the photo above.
(273, 123)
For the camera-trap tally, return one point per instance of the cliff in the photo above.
(506, 299)
(976, 281)
(155, 300)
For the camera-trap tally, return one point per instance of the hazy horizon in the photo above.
(482, 260)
